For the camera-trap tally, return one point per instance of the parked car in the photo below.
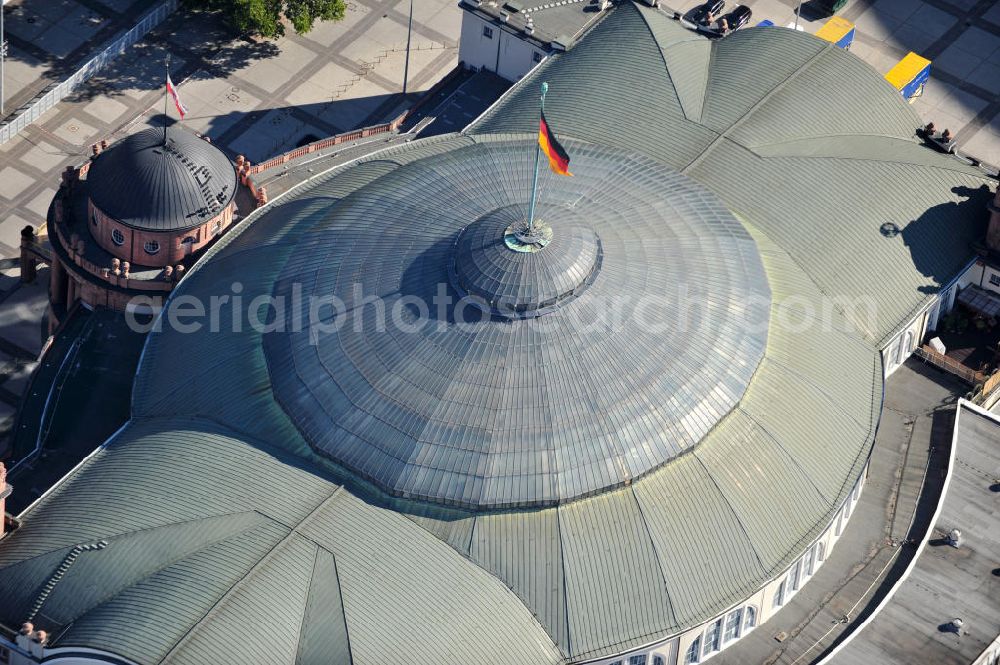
(737, 18)
(832, 6)
(713, 8)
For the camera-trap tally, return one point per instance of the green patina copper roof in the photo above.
(228, 537)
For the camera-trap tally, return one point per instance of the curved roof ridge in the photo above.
(656, 553)
(134, 532)
(792, 458)
(273, 552)
(323, 631)
(769, 248)
(725, 134)
(866, 334)
(820, 103)
(863, 147)
(663, 45)
(568, 651)
(729, 504)
(689, 65)
(665, 37)
(823, 391)
(100, 626)
(687, 58)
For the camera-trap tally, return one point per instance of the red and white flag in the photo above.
(181, 109)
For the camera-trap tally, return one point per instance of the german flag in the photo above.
(558, 157)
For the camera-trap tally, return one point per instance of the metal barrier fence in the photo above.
(364, 132)
(947, 364)
(56, 92)
(346, 137)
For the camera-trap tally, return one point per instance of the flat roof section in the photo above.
(555, 23)
(948, 582)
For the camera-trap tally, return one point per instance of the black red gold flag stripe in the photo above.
(558, 157)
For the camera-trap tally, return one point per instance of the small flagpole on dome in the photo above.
(538, 152)
(166, 94)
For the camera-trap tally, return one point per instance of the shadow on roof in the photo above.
(922, 235)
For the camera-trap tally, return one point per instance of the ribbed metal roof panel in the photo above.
(276, 587)
(688, 64)
(587, 98)
(135, 487)
(143, 622)
(484, 414)
(740, 80)
(151, 185)
(837, 237)
(782, 492)
(98, 575)
(807, 109)
(616, 594)
(698, 539)
(389, 602)
(524, 550)
(324, 637)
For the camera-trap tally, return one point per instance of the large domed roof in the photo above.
(633, 289)
(150, 184)
(499, 258)
(231, 531)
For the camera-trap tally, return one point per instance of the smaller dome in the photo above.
(149, 184)
(521, 273)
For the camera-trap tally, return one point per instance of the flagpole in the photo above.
(538, 152)
(166, 94)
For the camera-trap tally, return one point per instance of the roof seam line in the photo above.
(708, 87)
(343, 608)
(565, 586)
(270, 554)
(791, 457)
(736, 516)
(864, 333)
(752, 110)
(953, 166)
(666, 66)
(656, 553)
(472, 537)
(807, 139)
(823, 391)
(305, 606)
(125, 534)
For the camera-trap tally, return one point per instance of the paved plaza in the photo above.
(253, 98)
(49, 39)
